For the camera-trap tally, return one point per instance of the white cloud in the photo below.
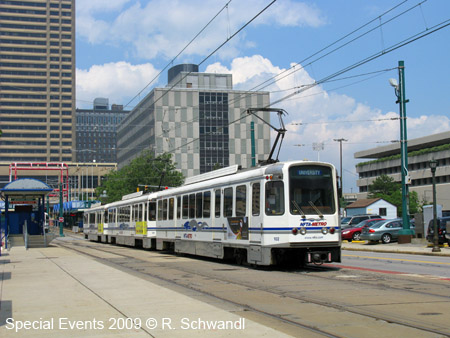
(293, 13)
(163, 27)
(118, 81)
(317, 116)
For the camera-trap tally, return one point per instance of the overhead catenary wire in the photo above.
(383, 52)
(372, 57)
(347, 121)
(306, 87)
(295, 67)
(214, 51)
(362, 62)
(244, 95)
(309, 57)
(181, 51)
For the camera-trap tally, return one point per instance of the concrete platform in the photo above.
(56, 292)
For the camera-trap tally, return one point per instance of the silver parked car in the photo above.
(386, 231)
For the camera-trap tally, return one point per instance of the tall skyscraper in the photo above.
(97, 130)
(37, 80)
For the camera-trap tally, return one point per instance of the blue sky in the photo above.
(123, 44)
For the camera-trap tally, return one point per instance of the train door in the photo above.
(256, 217)
(218, 221)
(178, 222)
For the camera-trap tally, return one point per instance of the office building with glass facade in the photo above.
(200, 120)
(37, 80)
(96, 131)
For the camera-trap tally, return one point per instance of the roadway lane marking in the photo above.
(396, 259)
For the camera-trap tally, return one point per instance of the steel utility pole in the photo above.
(340, 140)
(61, 206)
(406, 233)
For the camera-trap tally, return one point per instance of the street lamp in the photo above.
(433, 164)
(318, 146)
(92, 191)
(406, 233)
(340, 140)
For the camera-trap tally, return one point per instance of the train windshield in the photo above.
(311, 190)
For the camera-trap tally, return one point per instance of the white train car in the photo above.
(262, 215)
(94, 223)
(132, 221)
(282, 211)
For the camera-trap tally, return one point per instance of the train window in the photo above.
(311, 190)
(256, 199)
(152, 211)
(228, 202)
(207, 204)
(274, 198)
(160, 210)
(192, 206)
(135, 213)
(140, 213)
(124, 214)
(171, 207)
(185, 206)
(198, 205)
(165, 209)
(127, 213)
(179, 207)
(217, 203)
(241, 200)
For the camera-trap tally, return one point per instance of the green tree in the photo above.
(386, 188)
(143, 170)
(384, 185)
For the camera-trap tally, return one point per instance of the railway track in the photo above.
(302, 299)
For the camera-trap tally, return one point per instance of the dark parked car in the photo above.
(354, 233)
(350, 221)
(443, 235)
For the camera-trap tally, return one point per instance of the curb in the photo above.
(408, 252)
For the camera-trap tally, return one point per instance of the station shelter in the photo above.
(27, 195)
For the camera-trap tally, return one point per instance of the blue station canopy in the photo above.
(26, 188)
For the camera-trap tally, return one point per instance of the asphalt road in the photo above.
(397, 263)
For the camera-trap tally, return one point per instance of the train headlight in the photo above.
(303, 231)
(324, 231)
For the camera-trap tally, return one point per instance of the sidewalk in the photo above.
(56, 292)
(417, 247)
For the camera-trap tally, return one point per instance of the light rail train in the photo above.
(286, 211)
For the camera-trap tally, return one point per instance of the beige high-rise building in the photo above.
(37, 80)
